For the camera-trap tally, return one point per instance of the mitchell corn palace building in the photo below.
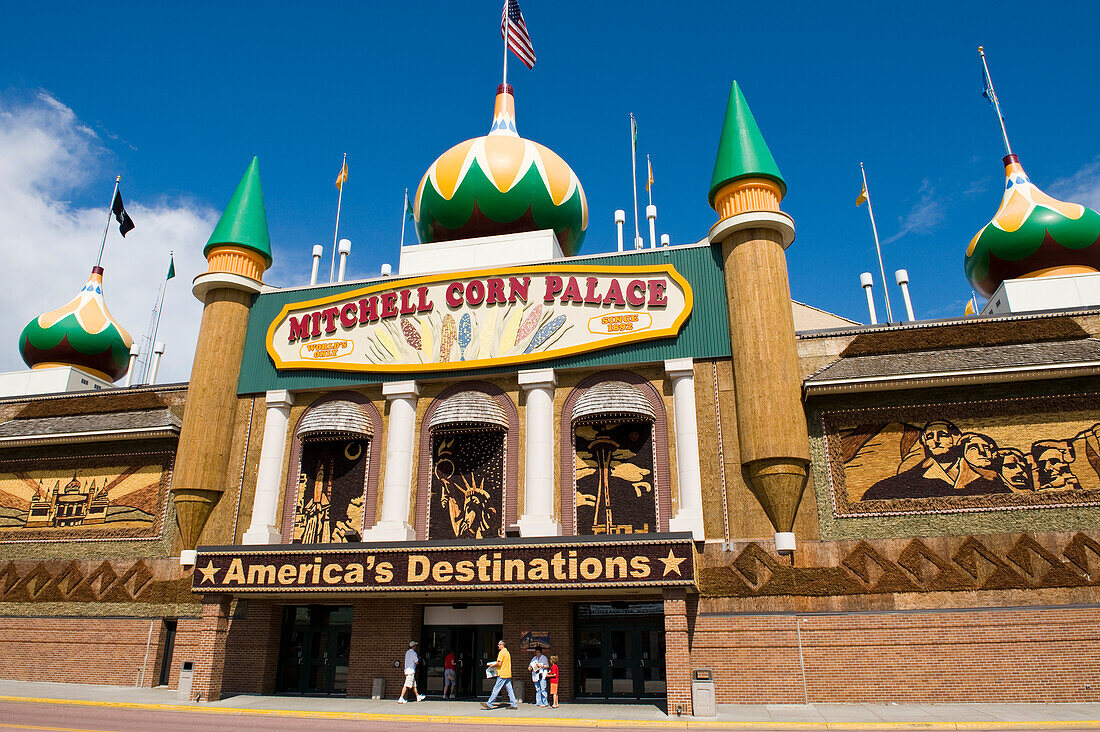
(649, 462)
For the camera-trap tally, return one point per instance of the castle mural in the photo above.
(119, 496)
(614, 478)
(950, 460)
(331, 487)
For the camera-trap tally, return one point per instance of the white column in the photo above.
(538, 477)
(681, 373)
(397, 482)
(265, 504)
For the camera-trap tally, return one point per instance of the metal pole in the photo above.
(994, 99)
(878, 249)
(335, 234)
(404, 215)
(507, 32)
(634, 177)
(110, 210)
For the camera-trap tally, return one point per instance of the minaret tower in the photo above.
(238, 253)
(752, 234)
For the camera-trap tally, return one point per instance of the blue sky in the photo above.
(178, 97)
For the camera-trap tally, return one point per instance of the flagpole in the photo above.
(634, 175)
(335, 234)
(154, 323)
(110, 210)
(878, 249)
(507, 32)
(996, 102)
(404, 215)
(649, 174)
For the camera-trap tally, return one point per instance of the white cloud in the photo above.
(48, 245)
(922, 218)
(1081, 187)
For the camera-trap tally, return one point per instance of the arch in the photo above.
(511, 451)
(316, 418)
(662, 474)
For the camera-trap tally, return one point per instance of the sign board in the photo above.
(529, 640)
(667, 561)
(481, 319)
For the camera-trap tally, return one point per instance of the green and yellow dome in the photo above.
(500, 184)
(81, 333)
(1032, 235)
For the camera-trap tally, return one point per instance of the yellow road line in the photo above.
(51, 729)
(504, 719)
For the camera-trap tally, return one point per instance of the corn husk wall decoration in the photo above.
(447, 338)
(465, 334)
(547, 334)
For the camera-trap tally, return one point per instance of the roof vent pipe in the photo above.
(135, 351)
(345, 250)
(158, 351)
(903, 282)
(867, 282)
(318, 252)
(620, 219)
(664, 240)
(651, 214)
(387, 270)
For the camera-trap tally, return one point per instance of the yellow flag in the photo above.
(340, 179)
(649, 181)
(969, 308)
(862, 196)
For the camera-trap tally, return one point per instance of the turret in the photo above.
(752, 234)
(238, 253)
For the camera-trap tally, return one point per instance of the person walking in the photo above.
(553, 679)
(411, 659)
(503, 667)
(539, 668)
(449, 674)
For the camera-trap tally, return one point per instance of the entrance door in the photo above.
(473, 646)
(620, 651)
(313, 654)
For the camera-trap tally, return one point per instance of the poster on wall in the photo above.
(478, 319)
(467, 488)
(614, 478)
(71, 498)
(331, 487)
(956, 457)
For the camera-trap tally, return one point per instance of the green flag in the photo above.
(408, 206)
(171, 268)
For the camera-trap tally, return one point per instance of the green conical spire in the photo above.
(742, 152)
(244, 222)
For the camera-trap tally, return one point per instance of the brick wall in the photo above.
(89, 650)
(541, 613)
(1003, 655)
(380, 635)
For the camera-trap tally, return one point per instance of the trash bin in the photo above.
(518, 686)
(702, 693)
(379, 689)
(187, 670)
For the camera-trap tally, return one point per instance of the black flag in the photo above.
(125, 223)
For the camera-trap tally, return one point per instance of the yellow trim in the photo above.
(1065, 269)
(57, 364)
(482, 363)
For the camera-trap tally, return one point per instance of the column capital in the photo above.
(775, 220)
(537, 378)
(678, 367)
(400, 390)
(279, 399)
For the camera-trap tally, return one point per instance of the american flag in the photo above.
(511, 22)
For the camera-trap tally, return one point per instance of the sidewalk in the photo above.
(730, 716)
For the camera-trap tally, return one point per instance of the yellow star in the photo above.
(209, 572)
(672, 564)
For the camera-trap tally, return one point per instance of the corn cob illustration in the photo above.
(548, 334)
(447, 339)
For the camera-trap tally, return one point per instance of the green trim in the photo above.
(742, 152)
(80, 340)
(244, 222)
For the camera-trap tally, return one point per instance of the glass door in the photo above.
(620, 652)
(313, 654)
(473, 647)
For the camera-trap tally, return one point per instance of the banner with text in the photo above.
(666, 562)
(481, 319)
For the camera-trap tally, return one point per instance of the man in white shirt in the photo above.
(411, 659)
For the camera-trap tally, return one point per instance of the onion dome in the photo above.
(500, 184)
(81, 333)
(1032, 235)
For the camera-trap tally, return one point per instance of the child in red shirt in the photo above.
(553, 679)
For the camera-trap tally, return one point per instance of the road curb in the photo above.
(491, 718)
